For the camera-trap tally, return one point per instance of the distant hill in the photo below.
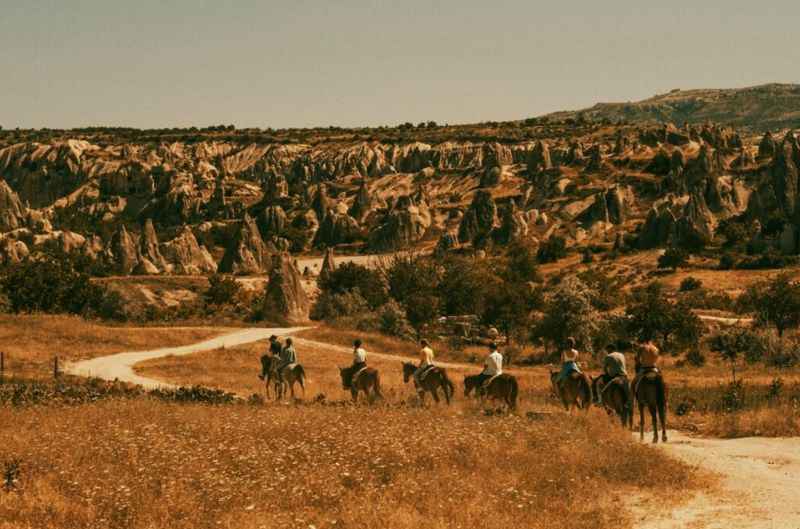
(770, 106)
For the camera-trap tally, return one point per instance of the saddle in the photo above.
(288, 367)
(490, 380)
(356, 374)
(425, 371)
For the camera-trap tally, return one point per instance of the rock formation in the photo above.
(184, 255)
(479, 219)
(247, 253)
(285, 300)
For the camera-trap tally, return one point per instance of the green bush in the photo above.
(331, 306)
(51, 284)
(690, 283)
(348, 277)
(673, 258)
(552, 250)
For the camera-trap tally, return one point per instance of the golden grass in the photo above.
(142, 463)
(778, 421)
(31, 342)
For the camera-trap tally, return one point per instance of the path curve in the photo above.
(120, 366)
(760, 480)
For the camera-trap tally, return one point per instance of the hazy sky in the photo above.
(149, 63)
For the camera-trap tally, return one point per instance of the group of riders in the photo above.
(614, 367)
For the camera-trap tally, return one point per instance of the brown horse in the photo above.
(435, 378)
(290, 375)
(365, 380)
(574, 391)
(503, 387)
(651, 391)
(615, 399)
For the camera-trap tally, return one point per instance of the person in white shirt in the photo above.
(569, 360)
(359, 361)
(492, 366)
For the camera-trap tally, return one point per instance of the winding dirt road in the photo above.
(120, 366)
(760, 477)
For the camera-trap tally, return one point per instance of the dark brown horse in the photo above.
(290, 375)
(503, 387)
(367, 380)
(268, 373)
(574, 391)
(651, 391)
(614, 399)
(435, 378)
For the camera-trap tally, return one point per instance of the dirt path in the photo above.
(759, 486)
(120, 366)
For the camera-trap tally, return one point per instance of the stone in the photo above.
(405, 224)
(539, 159)
(328, 263)
(149, 248)
(285, 299)
(184, 255)
(124, 251)
(767, 147)
(246, 253)
(12, 212)
(479, 219)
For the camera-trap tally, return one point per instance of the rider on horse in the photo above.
(646, 362)
(613, 367)
(274, 351)
(569, 361)
(425, 364)
(359, 362)
(288, 356)
(492, 366)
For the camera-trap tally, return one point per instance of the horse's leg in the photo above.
(435, 394)
(654, 419)
(291, 388)
(446, 393)
(354, 393)
(641, 421)
(662, 415)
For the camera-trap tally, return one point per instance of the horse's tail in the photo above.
(447, 384)
(377, 385)
(513, 393)
(661, 398)
(301, 376)
(586, 389)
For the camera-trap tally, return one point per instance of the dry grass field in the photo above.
(31, 342)
(143, 463)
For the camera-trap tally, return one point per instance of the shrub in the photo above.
(51, 284)
(331, 306)
(690, 283)
(695, 358)
(348, 277)
(674, 258)
(393, 320)
(222, 290)
(552, 250)
(726, 262)
(775, 302)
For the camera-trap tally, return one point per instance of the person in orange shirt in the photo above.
(425, 363)
(646, 362)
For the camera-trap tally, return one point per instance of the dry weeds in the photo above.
(143, 463)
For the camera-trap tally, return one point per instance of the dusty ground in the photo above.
(760, 480)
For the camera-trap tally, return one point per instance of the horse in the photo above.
(502, 387)
(574, 391)
(268, 374)
(651, 391)
(291, 374)
(615, 399)
(365, 380)
(435, 378)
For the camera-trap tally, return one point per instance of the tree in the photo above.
(221, 291)
(464, 286)
(674, 258)
(348, 277)
(413, 282)
(775, 302)
(734, 343)
(51, 284)
(652, 316)
(508, 306)
(569, 312)
(552, 249)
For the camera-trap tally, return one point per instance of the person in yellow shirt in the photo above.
(569, 361)
(425, 363)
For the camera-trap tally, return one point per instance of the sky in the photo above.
(301, 63)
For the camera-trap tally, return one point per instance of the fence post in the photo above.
(55, 367)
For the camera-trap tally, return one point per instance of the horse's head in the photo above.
(408, 371)
(343, 376)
